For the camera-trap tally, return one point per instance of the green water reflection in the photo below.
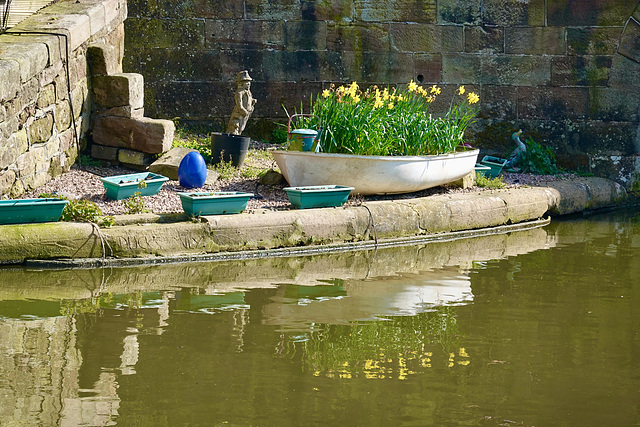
(532, 328)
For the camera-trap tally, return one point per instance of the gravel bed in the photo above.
(84, 182)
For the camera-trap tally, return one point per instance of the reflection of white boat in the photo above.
(374, 174)
(400, 295)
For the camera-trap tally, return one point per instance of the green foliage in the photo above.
(225, 170)
(82, 210)
(251, 172)
(374, 347)
(490, 183)
(391, 122)
(108, 221)
(86, 305)
(134, 204)
(538, 159)
(86, 160)
(279, 135)
(195, 142)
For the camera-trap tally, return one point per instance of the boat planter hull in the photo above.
(374, 174)
(214, 203)
(320, 196)
(122, 186)
(20, 211)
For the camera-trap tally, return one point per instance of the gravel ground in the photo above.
(84, 182)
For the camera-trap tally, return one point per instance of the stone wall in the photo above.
(566, 72)
(45, 119)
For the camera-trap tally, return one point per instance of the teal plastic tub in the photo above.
(495, 165)
(19, 211)
(122, 186)
(318, 196)
(214, 203)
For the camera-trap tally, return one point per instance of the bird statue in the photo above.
(513, 159)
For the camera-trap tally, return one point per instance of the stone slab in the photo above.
(117, 90)
(32, 57)
(103, 59)
(10, 83)
(103, 152)
(77, 28)
(93, 10)
(168, 164)
(151, 136)
(136, 159)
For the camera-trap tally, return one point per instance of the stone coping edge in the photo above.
(164, 237)
(284, 252)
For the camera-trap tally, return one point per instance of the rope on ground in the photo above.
(373, 225)
(103, 241)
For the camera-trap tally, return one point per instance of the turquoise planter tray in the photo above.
(21, 211)
(495, 164)
(214, 203)
(318, 196)
(122, 186)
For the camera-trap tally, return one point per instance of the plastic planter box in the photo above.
(122, 186)
(495, 164)
(20, 211)
(318, 196)
(214, 203)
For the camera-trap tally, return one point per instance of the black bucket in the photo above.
(226, 147)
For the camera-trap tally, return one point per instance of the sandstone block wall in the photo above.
(566, 72)
(44, 120)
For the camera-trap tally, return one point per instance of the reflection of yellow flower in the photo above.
(463, 352)
(461, 90)
(435, 89)
(473, 98)
(326, 93)
(412, 86)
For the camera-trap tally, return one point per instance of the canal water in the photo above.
(537, 327)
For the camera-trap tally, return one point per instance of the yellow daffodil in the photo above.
(435, 89)
(472, 98)
(461, 90)
(378, 103)
(326, 93)
(390, 106)
(356, 99)
(412, 86)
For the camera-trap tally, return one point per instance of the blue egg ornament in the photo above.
(192, 172)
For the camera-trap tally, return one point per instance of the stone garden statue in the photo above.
(244, 104)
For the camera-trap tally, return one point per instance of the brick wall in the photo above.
(566, 72)
(37, 136)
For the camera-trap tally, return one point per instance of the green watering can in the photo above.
(303, 139)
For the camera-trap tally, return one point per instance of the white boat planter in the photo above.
(374, 174)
